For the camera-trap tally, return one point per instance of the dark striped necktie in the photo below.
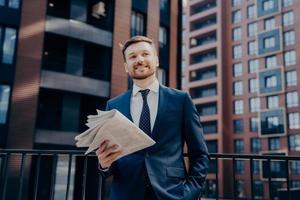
(145, 123)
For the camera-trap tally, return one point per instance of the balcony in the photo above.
(67, 174)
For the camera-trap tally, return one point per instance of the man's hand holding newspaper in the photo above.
(114, 135)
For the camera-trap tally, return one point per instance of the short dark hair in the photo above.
(136, 39)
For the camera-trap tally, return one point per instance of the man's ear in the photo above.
(157, 61)
(126, 67)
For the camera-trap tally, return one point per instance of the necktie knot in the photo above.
(145, 93)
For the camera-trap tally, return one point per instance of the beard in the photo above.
(138, 76)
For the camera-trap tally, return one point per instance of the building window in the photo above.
(237, 34)
(290, 58)
(256, 166)
(294, 142)
(252, 48)
(272, 122)
(238, 126)
(203, 74)
(253, 85)
(274, 143)
(268, 5)
(294, 120)
(238, 107)
(236, 2)
(239, 166)
(8, 45)
(272, 102)
(253, 66)
(269, 42)
(252, 29)
(253, 124)
(240, 189)
(237, 69)
(205, 91)
(292, 99)
(238, 146)
(286, 3)
(258, 190)
(289, 38)
(207, 109)
(236, 17)
(15, 4)
(288, 18)
(4, 102)
(269, 23)
(271, 81)
(291, 78)
(137, 24)
(210, 127)
(237, 51)
(255, 145)
(162, 37)
(254, 104)
(238, 88)
(251, 12)
(271, 61)
(164, 4)
(295, 167)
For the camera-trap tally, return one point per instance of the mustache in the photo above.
(140, 65)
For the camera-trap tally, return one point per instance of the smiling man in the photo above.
(169, 117)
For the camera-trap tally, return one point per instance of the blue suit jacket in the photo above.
(177, 122)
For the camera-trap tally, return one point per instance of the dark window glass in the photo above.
(59, 8)
(206, 91)
(55, 52)
(203, 74)
(138, 24)
(203, 6)
(203, 22)
(210, 127)
(238, 126)
(97, 62)
(238, 146)
(49, 109)
(203, 39)
(207, 109)
(274, 143)
(255, 145)
(203, 56)
(239, 166)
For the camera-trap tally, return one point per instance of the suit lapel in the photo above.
(125, 105)
(162, 98)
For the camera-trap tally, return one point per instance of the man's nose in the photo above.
(140, 59)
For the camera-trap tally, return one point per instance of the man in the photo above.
(169, 117)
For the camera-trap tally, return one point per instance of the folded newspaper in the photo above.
(115, 127)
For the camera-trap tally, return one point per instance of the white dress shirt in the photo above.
(136, 102)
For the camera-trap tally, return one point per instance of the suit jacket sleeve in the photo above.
(107, 172)
(197, 150)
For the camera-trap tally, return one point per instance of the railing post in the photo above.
(217, 178)
(53, 177)
(36, 179)
(287, 178)
(21, 176)
(5, 174)
(69, 175)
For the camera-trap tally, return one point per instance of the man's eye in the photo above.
(145, 54)
(132, 57)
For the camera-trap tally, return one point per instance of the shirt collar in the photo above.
(153, 87)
